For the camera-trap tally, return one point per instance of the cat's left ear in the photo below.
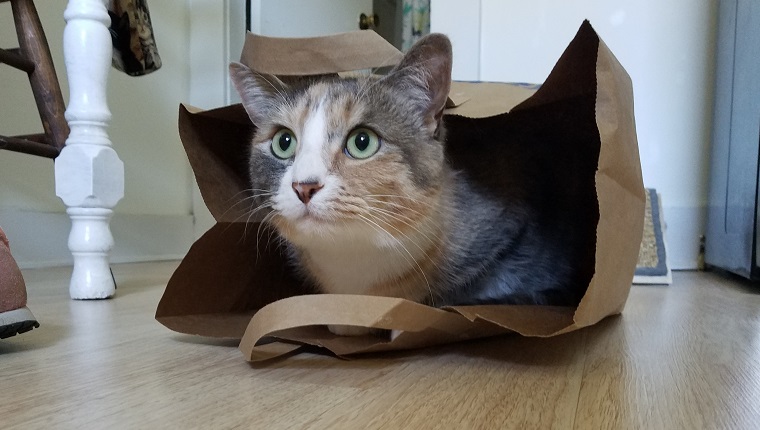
(425, 72)
(259, 92)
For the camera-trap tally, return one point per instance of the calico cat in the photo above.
(353, 174)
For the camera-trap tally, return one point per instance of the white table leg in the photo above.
(89, 175)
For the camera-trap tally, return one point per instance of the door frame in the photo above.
(216, 35)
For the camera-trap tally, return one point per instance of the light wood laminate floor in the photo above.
(685, 356)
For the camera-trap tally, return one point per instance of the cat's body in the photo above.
(353, 174)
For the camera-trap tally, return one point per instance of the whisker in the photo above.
(248, 215)
(403, 208)
(253, 212)
(397, 217)
(262, 194)
(391, 195)
(283, 96)
(404, 248)
(404, 219)
(252, 192)
(400, 233)
(263, 223)
(396, 205)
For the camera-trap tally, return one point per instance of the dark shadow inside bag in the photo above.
(542, 159)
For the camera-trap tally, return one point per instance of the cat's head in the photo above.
(355, 156)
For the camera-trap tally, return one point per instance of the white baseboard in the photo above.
(684, 227)
(39, 239)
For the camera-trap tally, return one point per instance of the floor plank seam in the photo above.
(582, 377)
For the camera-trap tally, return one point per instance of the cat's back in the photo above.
(504, 251)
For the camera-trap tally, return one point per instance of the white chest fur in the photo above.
(363, 258)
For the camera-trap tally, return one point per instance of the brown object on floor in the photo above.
(15, 317)
(33, 57)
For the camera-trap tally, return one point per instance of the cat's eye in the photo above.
(284, 144)
(362, 143)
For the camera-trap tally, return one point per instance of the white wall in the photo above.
(666, 46)
(306, 18)
(154, 220)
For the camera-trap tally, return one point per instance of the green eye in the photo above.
(362, 143)
(284, 144)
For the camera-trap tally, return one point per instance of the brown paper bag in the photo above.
(578, 128)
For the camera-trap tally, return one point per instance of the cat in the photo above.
(353, 174)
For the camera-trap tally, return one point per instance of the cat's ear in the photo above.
(258, 91)
(425, 72)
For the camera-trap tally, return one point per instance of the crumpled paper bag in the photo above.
(576, 130)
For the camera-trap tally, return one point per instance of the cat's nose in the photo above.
(306, 190)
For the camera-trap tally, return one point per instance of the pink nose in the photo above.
(306, 190)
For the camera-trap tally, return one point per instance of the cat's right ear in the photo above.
(259, 92)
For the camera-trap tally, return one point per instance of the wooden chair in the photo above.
(33, 57)
(89, 176)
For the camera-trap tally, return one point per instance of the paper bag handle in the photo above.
(356, 50)
(340, 309)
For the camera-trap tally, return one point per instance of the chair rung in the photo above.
(12, 58)
(20, 144)
(39, 138)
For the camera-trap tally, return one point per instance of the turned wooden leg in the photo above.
(89, 175)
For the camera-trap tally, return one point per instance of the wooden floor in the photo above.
(685, 356)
